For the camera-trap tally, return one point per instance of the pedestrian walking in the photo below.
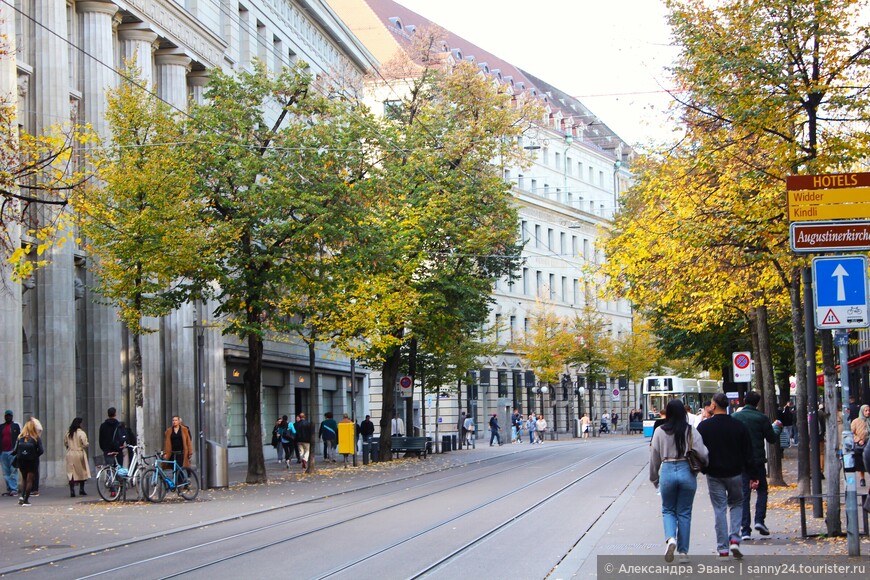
(288, 440)
(516, 427)
(460, 427)
(277, 430)
(177, 445)
(860, 433)
(494, 430)
(28, 448)
(329, 435)
(533, 428)
(469, 431)
(786, 417)
(78, 469)
(760, 430)
(730, 456)
(9, 432)
(304, 433)
(669, 471)
(585, 425)
(540, 428)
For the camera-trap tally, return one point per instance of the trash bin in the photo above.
(454, 440)
(218, 467)
(375, 449)
(366, 450)
(446, 443)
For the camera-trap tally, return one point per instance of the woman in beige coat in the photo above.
(77, 467)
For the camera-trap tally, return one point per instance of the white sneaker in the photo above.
(672, 547)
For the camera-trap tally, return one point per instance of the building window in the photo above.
(539, 282)
(545, 153)
(537, 236)
(569, 166)
(526, 281)
(244, 36)
(558, 159)
(520, 181)
(502, 384)
(601, 179)
(534, 188)
(236, 416)
(498, 328)
(550, 239)
(507, 174)
(524, 231)
(576, 289)
(552, 284)
(586, 249)
(564, 289)
(513, 328)
(574, 246)
(562, 248)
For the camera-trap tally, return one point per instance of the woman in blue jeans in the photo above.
(669, 472)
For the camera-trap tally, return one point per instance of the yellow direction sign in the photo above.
(839, 196)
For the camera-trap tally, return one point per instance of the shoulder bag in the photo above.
(694, 460)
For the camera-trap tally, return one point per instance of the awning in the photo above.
(855, 362)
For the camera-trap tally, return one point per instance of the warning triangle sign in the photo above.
(830, 318)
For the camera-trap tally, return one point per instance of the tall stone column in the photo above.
(197, 80)
(172, 68)
(137, 43)
(54, 327)
(102, 341)
(179, 342)
(11, 358)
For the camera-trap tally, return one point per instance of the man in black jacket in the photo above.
(304, 434)
(107, 435)
(730, 456)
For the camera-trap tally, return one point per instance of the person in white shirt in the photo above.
(397, 428)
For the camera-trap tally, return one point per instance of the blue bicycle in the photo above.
(166, 475)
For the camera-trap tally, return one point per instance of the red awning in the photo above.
(855, 362)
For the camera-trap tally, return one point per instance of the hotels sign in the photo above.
(817, 202)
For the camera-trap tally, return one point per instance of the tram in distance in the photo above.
(659, 390)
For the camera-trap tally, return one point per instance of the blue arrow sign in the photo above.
(840, 286)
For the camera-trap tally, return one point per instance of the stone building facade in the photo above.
(64, 354)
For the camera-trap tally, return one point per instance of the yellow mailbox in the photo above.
(346, 440)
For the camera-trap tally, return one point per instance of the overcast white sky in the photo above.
(608, 54)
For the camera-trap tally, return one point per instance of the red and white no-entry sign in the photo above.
(741, 365)
(405, 386)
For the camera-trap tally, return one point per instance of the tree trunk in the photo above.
(139, 390)
(832, 437)
(769, 391)
(253, 379)
(315, 411)
(390, 375)
(802, 382)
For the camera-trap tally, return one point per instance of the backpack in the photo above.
(119, 437)
(26, 449)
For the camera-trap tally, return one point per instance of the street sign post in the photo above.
(740, 363)
(840, 284)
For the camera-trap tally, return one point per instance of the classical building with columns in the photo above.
(63, 352)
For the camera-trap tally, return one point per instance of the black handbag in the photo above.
(692, 457)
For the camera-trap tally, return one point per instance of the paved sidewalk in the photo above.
(633, 527)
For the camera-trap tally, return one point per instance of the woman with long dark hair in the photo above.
(77, 468)
(669, 472)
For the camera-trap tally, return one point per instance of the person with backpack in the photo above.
(78, 470)
(28, 448)
(111, 437)
(288, 440)
(277, 430)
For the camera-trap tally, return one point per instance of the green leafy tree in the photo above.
(142, 221)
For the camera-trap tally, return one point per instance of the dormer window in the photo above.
(397, 22)
(457, 54)
(410, 28)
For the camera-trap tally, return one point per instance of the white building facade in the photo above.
(63, 352)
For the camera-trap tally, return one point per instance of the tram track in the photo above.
(488, 468)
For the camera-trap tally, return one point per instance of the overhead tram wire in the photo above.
(284, 62)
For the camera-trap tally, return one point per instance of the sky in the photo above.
(610, 55)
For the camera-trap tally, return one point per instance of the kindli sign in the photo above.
(828, 197)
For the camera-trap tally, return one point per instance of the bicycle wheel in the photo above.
(109, 485)
(153, 487)
(190, 489)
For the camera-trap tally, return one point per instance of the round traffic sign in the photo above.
(405, 382)
(741, 361)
